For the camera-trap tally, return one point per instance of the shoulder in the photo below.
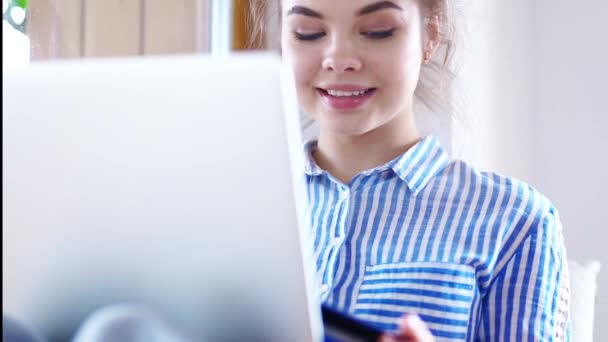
(527, 209)
(527, 220)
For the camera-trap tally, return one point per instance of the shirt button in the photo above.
(324, 288)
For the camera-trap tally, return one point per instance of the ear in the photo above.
(433, 36)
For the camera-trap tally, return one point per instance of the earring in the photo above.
(427, 57)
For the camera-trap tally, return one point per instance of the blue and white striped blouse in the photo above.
(478, 256)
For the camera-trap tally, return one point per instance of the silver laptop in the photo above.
(173, 182)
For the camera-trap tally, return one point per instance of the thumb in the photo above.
(411, 328)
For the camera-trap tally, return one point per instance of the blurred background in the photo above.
(532, 84)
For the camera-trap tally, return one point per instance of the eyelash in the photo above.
(371, 34)
(379, 34)
(308, 37)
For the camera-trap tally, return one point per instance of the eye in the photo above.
(378, 34)
(308, 37)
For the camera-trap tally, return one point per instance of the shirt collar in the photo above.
(416, 167)
(310, 166)
(421, 163)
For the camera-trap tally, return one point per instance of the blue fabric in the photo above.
(479, 256)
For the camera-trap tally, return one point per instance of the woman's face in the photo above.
(356, 62)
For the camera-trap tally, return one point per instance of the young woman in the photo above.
(399, 229)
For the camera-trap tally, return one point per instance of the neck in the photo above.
(345, 156)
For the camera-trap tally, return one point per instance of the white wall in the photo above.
(534, 79)
(474, 87)
(495, 87)
(570, 163)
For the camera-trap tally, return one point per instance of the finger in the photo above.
(387, 338)
(415, 329)
(394, 338)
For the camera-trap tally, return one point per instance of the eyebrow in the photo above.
(304, 11)
(377, 7)
(364, 11)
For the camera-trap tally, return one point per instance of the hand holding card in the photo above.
(345, 328)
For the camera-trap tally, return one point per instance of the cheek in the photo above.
(305, 76)
(403, 66)
(304, 73)
(305, 67)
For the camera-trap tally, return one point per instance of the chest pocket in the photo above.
(440, 293)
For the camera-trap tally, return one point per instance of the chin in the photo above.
(339, 127)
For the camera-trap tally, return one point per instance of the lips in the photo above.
(346, 97)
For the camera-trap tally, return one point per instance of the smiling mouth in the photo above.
(346, 94)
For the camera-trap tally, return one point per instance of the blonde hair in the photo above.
(437, 77)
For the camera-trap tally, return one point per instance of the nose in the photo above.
(341, 57)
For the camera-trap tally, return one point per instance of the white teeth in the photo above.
(340, 93)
